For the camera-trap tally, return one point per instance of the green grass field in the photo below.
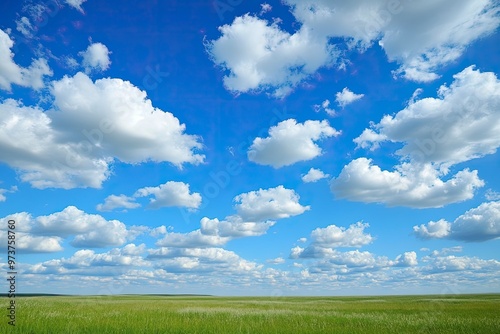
(175, 314)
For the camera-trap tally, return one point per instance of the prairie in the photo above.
(204, 314)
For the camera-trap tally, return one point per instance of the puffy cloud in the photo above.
(411, 185)
(171, 194)
(265, 7)
(11, 73)
(407, 259)
(290, 142)
(24, 26)
(46, 233)
(346, 97)
(421, 36)
(475, 225)
(261, 56)
(325, 106)
(90, 125)
(463, 123)
(323, 240)
(334, 236)
(314, 175)
(121, 201)
(272, 203)
(461, 263)
(95, 58)
(77, 4)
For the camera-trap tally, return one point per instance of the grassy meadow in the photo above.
(192, 314)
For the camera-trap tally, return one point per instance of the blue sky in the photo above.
(235, 147)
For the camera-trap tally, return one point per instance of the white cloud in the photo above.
(290, 142)
(278, 260)
(417, 186)
(346, 97)
(121, 201)
(95, 58)
(265, 8)
(476, 225)
(90, 126)
(12, 189)
(157, 231)
(325, 106)
(11, 73)
(77, 4)
(91, 231)
(262, 57)
(324, 240)
(23, 25)
(439, 229)
(170, 194)
(492, 195)
(463, 123)
(421, 36)
(314, 175)
(272, 203)
(407, 259)
(46, 233)
(194, 239)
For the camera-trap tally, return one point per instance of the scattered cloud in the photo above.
(260, 56)
(290, 142)
(314, 175)
(11, 73)
(265, 8)
(23, 25)
(346, 97)
(492, 195)
(82, 230)
(411, 185)
(476, 225)
(90, 125)
(459, 125)
(170, 193)
(278, 260)
(95, 58)
(272, 203)
(325, 106)
(113, 202)
(76, 4)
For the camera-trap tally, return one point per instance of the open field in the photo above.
(190, 314)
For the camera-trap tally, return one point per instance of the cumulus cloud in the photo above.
(290, 142)
(45, 233)
(346, 97)
(90, 125)
(259, 56)
(11, 73)
(95, 58)
(314, 175)
(76, 4)
(407, 259)
(325, 106)
(476, 225)
(492, 195)
(118, 201)
(412, 185)
(256, 213)
(324, 240)
(272, 203)
(265, 7)
(170, 193)
(421, 36)
(461, 124)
